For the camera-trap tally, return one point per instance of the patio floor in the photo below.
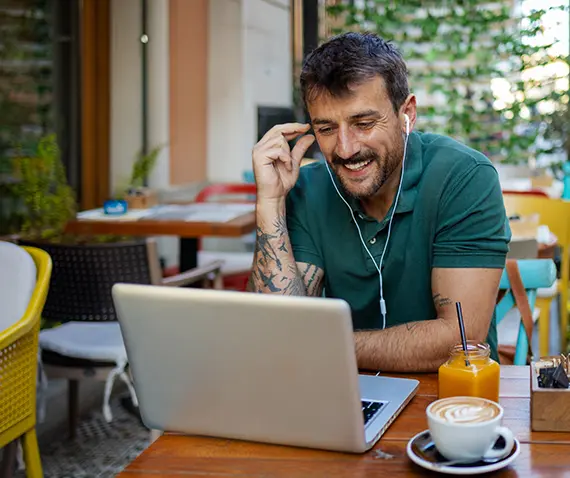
(100, 450)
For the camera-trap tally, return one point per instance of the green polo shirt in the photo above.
(450, 214)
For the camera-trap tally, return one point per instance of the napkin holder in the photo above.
(141, 198)
(549, 407)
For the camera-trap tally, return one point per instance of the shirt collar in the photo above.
(412, 173)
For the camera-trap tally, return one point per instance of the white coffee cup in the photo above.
(466, 428)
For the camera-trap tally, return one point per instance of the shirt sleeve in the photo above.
(302, 240)
(472, 229)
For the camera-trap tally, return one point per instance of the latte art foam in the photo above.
(465, 411)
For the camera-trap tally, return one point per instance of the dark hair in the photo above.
(350, 59)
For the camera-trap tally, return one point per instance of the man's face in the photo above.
(360, 136)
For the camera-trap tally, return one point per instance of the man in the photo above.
(448, 235)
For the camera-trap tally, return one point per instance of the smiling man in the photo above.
(422, 209)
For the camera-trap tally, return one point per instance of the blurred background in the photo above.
(198, 82)
(100, 98)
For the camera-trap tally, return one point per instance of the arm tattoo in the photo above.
(411, 325)
(295, 285)
(268, 273)
(280, 225)
(274, 271)
(267, 281)
(312, 280)
(265, 249)
(440, 301)
(251, 282)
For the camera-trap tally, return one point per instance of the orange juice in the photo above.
(478, 379)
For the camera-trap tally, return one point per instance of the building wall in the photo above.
(225, 137)
(268, 63)
(126, 89)
(126, 96)
(249, 65)
(188, 90)
(159, 107)
(177, 80)
(159, 89)
(210, 63)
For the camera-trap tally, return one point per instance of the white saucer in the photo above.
(476, 468)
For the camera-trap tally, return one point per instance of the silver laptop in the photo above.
(254, 367)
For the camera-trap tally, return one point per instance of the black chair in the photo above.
(84, 340)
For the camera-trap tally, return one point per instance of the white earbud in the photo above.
(396, 199)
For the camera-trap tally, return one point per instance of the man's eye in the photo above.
(325, 130)
(365, 124)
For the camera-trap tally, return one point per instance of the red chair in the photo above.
(237, 265)
(224, 190)
(530, 192)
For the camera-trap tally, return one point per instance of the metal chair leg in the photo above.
(9, 459)
(32, 455)
(73, 404)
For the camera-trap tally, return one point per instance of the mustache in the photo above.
(360, 157)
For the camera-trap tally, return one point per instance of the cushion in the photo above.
(234, 262)
(99, 341)
(17, 283)
(551, 291)
(93, 341)
(53, 358)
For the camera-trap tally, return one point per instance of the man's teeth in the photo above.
(357, 166)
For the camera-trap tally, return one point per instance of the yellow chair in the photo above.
(18, 372)
(555, 213)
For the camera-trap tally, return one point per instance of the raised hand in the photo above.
(275, 166)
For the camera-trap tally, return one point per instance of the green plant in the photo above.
(143, 166)
(26, 93)
(474, 67)
(26, 64)
(48, 200)
(557, 134)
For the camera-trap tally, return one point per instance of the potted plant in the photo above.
(47, 201)
(138, 195)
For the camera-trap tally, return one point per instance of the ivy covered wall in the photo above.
(483, 71)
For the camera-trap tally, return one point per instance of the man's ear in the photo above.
(409, 109)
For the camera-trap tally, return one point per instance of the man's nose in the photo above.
(346, 144)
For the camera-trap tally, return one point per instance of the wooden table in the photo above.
(542, 454)
(188, 231)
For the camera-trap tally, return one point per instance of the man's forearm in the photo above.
(412, 347)
(274, 268)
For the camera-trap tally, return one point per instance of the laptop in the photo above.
(255, 367)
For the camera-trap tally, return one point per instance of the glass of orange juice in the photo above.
(478, 379)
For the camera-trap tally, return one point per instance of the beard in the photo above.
(380, 169)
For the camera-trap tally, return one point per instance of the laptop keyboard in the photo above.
(370, 409)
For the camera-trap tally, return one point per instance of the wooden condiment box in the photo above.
(549, 407)
(142, 199)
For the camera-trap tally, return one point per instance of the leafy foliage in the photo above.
(26, 86)
(26, 92)
(49, 203)
(143, 166)
(455, 50)
(48, 199)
